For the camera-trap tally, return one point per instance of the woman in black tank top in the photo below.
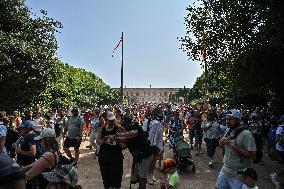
(110, 154)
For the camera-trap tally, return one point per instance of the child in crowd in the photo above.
(250, 178)
(171, 177)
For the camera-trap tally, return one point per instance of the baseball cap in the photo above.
(3, 131)
(248, 172)
(46, 133)
(27, 124)
(110, 116)
(234, 113)
(62, 173)
(9, 170)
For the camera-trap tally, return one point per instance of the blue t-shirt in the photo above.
(26, 142)
(74, 124)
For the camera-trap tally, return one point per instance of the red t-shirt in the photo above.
(190, 123)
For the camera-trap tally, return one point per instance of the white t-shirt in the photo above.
(246, 187)
(279, 131)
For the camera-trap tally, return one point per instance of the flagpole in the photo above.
(206, 97)
(121, 85)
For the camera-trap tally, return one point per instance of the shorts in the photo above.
(140, 170)
(198, 138)
(155, 150)
(211, 145)
(72, 143)
(224, 182)
(191, 135)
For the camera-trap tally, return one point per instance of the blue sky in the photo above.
(92, 28)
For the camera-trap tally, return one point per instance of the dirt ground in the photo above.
(205, 177)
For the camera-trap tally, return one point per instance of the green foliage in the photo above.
(31, 74)
(244, 48)
(77, 87)
(27, 49)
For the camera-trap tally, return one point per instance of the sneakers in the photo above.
(150, 180)
(211, 163)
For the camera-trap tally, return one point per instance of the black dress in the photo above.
(111, 161)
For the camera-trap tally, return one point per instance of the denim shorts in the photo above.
(224, 182)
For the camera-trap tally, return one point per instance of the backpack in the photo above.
(236, 134)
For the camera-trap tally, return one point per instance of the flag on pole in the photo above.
(120, 41)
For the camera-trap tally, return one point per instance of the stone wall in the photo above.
(136, 95)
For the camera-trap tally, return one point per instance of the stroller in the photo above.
(183, 156)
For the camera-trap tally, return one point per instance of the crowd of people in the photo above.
(35, 150)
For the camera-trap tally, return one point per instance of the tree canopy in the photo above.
(31, 73)
(243, 41)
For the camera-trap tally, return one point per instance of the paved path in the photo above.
(205, 177)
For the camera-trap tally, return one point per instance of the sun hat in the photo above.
(62, 173)
(234, 113)
(110, 116)
(46, 133)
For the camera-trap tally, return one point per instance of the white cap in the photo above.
(110, 116)
(46, 133)
(234, 113)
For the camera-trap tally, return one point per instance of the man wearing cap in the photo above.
(74, 129)
(240, 149)
(26, 145)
